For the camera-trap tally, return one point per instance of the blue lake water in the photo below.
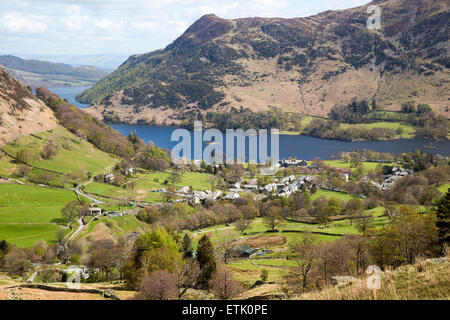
(302, 147)
(70, 93)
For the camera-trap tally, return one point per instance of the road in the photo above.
(96, 201)
(79, 229)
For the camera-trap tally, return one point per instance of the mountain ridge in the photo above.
(45, 73)
(303, 65)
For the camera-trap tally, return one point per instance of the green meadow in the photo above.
(74, 153)
(29, 213)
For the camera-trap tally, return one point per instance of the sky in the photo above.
(126, 27)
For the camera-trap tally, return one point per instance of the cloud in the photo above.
(127, 26)
(27, 23)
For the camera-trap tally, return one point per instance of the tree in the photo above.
(119, 179)
(153, 250)
(23, 170)
(405, 237)
(273, 218)
(223, 285)
(252, 169)
(187, 247)
(322, 217)
(189, 277)
(227, 246)
(303, 248)
(206, 260)
(354, 207)
(334, 206)
(70, 212)
(174, 178)
(242, 225)
(443, 220)
(49, 150)
(436, 175)
(106, 256)
(160, 285)
(364, 222)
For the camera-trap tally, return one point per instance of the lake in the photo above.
(302, 147)
(70, 93)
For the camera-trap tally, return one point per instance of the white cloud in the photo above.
(127, 26)
(27, 23)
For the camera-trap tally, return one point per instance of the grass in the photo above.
(109, 190)
(346, 165)
(408, 130)
(147, 183)
(25, 235)
(405, 283)
(329, 194)
(444, 188)
(153, 181)
(29, 213)
(74, 154)
(117, 226)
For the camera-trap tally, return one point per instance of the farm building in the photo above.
(244, 251)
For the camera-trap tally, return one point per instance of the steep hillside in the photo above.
(303, 65)
(20, 112)
(43, 73)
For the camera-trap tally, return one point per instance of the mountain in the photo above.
(21, 112)
(105, 62)
(43, 73)
(303, 65)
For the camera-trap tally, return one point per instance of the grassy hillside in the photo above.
(422, 281)
(74, 153)
(29, 213)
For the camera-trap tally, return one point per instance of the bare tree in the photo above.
(242, 225)
(364, 222)
(23, 170)
(303, 247)
(223, 285)
(189, 276)
(160, 285)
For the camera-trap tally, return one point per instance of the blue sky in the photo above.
(127, 26)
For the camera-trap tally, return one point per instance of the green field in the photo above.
(408, 130)
(346, 165)
(29, 213)
(329, 194)
(74, 153)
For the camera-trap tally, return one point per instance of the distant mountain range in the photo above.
(303, 65)
(38, 73)
(105, 62)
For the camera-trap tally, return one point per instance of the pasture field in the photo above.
(29, 213)
(109, 190)
(147, 183)
(74, 153)
(346, 165)
(408, 130)
(329, 194)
